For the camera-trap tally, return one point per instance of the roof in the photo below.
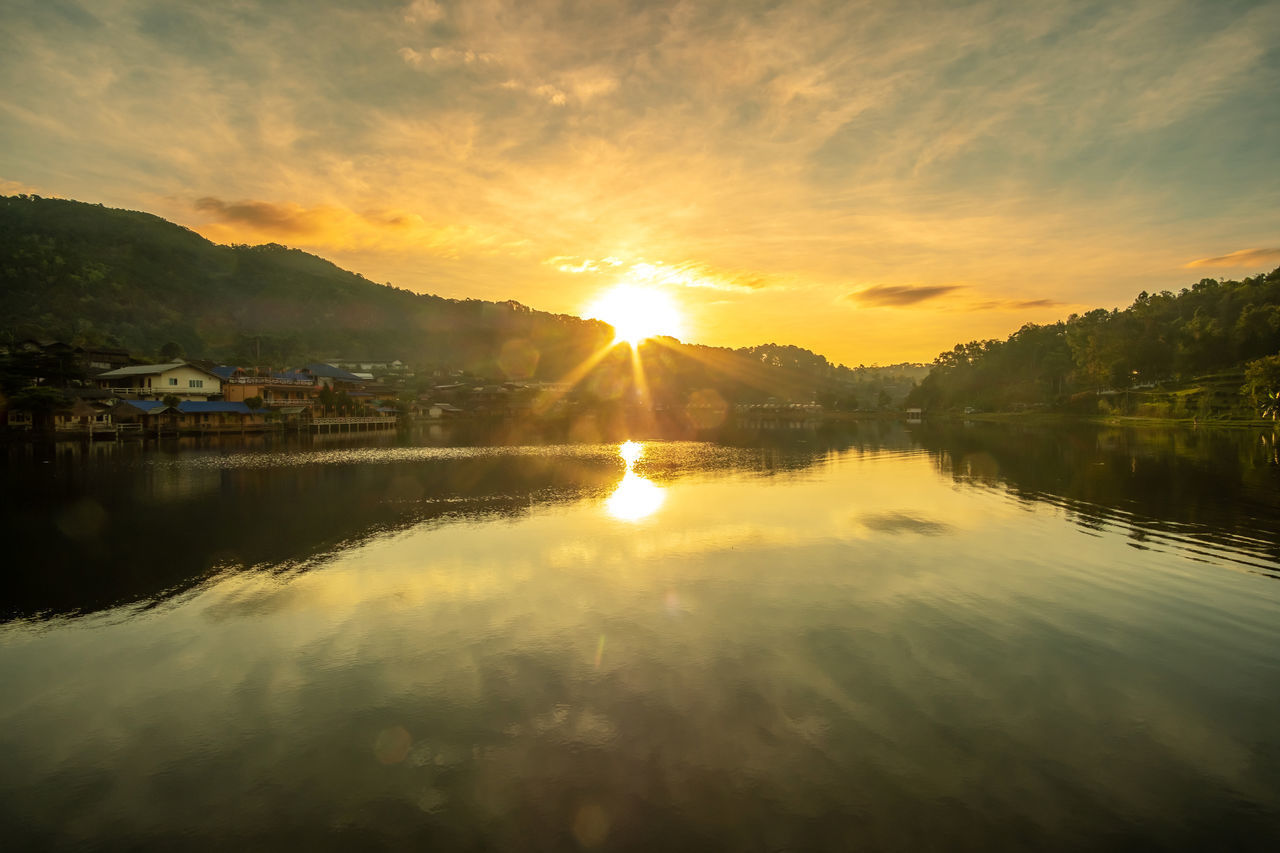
(189, 407)
(103, 394)
(151, 370)
(149, 407)
(81, 409)
(141, 370)
(224, 371)
(330, 372)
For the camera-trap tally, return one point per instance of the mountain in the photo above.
(85, 273)
(88, 274)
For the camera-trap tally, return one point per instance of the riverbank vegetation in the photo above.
(1211, 350)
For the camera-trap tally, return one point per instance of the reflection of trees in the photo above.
(90, 531)
(1215, 487)
(112, 525)
(151, 542)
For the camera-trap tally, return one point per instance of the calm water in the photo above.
(970, 638)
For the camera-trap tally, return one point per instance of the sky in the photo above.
(875, 181)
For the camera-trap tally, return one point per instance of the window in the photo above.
(173, 380)
(195, 383)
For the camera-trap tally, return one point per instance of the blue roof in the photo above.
(147, 406)
(224, 371)
(330, 372)
(188, 407)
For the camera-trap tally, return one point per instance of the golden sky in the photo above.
(872, 180)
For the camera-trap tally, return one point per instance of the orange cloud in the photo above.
(1014, 304)
(287, 219)
(8, 187)
(423, 12)
(327, 227)
(899, 295)
(1242, 258)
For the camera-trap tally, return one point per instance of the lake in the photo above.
(981, 637)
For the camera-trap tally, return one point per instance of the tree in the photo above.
(41, 402)
(171, 351)
(171, 401)
(1262, 384)
(253, 403)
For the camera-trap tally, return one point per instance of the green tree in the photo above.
(1262, 384)
(41, 402)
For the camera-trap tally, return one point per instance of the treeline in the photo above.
(1212, 326)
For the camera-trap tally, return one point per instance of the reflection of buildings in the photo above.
(635, 497)
(779, 415)
(166, 484)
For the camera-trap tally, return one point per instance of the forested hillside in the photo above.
(1223, 329)
(86, 274)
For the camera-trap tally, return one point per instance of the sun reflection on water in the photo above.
(635, 498)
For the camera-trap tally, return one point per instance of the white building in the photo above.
(156, 381)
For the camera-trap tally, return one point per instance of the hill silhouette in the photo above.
(84, 273)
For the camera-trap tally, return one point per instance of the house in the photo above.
(437, 411)
(100, 359)
(218, 416)
(294, 416)
(294, 388)
(136, 416)
(86, 417)
(332, 377)
(68, 360)
(155, 381)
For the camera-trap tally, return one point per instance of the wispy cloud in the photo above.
(900, 295)
(1241, 258)
(444, 57)
(268, 217)
(328, 225)
(8, 187)
(423, 12)
(684, 274)
(1013, 304)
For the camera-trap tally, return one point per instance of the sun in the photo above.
(636, 313)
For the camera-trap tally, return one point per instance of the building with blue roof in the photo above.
(330, 376)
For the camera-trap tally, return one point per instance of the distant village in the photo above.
(105, 392)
